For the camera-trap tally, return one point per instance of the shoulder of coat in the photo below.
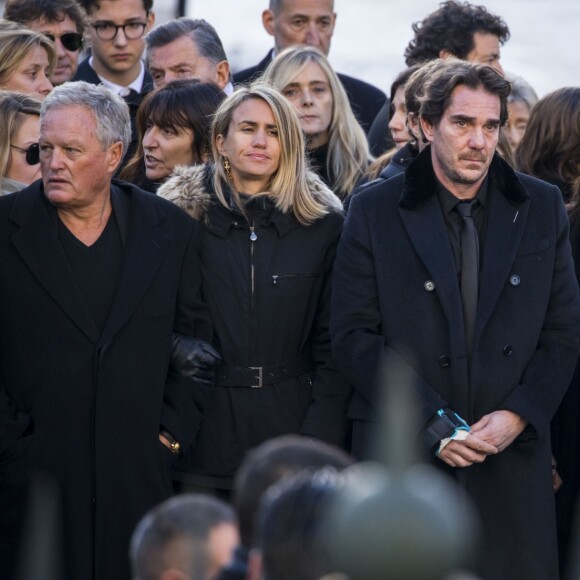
(322, 193)
(187, 189)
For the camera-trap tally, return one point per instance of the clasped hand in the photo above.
(490, 435)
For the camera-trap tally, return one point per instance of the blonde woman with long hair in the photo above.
(336, 144)
(269, 229)
(26, 60)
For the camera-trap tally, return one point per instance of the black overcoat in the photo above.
(396, 301)
(269, 302)
(86, 407)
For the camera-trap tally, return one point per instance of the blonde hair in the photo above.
(15, 44)
(291, 185)
(13, 110)
(348, 150)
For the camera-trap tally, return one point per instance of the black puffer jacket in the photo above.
(266, 281)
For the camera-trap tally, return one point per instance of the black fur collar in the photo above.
(420, 181)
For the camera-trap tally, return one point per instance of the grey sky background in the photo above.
(371, 35)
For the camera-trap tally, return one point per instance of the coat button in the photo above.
(515, 280)
(444, 361)
(429, 285)
(507, 350)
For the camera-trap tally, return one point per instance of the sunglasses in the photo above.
(72, 41)
(32, 153)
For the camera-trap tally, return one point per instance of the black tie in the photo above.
(469, 270)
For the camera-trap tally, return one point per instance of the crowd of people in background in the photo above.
(209, 277)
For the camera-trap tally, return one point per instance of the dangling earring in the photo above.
(227, 167)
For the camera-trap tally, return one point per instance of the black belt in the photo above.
(257, 377)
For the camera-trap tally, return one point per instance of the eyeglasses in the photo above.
(72, 41)
(32, 153)
(108, 30)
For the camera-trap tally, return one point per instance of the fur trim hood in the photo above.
(190, 188)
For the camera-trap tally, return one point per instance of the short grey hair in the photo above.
(277, 5)
(110, 110)
(203, 34)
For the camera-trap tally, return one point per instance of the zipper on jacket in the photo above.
(276, 277)
(253, 238)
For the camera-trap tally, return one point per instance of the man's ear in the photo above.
(150, 21)
(268, 21)
(115, 156)
(222, 74)
(413, 125)
(427, 128)
(444, 53)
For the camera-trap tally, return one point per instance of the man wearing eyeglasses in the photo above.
(62, 21)
(116, 30)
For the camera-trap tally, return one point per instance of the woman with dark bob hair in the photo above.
(174, 126)
(550, 147)
(269, 231)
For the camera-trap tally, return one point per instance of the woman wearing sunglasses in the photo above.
(63, 21)
(26, 60)
(19, 158)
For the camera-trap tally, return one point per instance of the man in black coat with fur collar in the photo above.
(489, 349)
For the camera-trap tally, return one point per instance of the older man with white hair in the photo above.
(96, 276)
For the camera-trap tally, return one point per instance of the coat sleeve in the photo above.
(186, 398)
(357, 331)
(549, 371)
(327, 416)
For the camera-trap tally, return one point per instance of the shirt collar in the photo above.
(448, 201)
(136, 85)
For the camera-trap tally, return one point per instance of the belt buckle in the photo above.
(259, 377)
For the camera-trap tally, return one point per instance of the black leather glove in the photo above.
(192, 358)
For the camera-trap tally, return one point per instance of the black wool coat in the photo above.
(396, 303)
(365, 99)
(269, 301)
(83, 407)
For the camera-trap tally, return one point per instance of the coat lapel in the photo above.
(38, 245)
(421, 213)
(506, 222)
(428, 234)
(145, 247)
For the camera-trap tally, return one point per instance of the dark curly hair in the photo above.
(185, 103)
(25, 11)
(451, 73)
(451, 28)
